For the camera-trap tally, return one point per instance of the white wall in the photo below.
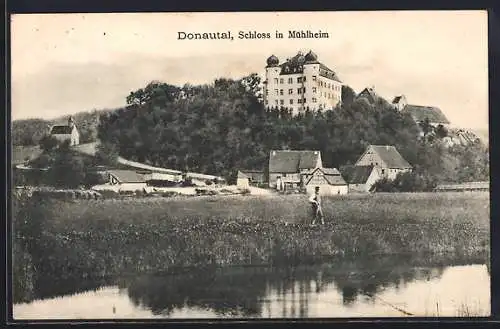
(326, 189)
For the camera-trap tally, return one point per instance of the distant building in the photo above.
(463, 187)
(255, 177)
(329, 181)
(242, 180)
(66, 132)
(399, 102)
(385, 157)
(301, 82)
(421, 113)
(126, 180)
(369, 94)
(286, 168)
(360, 179)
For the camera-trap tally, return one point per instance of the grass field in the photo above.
(105, 237)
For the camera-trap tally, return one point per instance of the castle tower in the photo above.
(71, 122)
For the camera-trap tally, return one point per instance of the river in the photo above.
(376, 287)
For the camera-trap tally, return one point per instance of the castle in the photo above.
(300, 83)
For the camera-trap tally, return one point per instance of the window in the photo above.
(276, 92)
(290, 91)
(281, 92)
(291, 101)
(299, 80)
(290, 80)
(383, 171)
(266, 102)
(282, 81)
(282, 102)
(304, 79)
(314, 89)
(277, 102)
(276, 80)
(284, 174)
(304, 89)
(267, 92)
(314, 100)
(299, 91)
(314, 78)
(299, 101)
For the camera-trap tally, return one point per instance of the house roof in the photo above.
(253, 174)
(292, 161)
(330, 171)
(368, 93)
(335, 180)
(127, 176)
(396, 99)
(390, 155)
(420, 113)
(356, 174)
(22, 153)
(61, 130)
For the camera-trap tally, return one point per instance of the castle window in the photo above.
(266, 102)
(314, 78)
(276, 92)
(290, 80)
(299, 90)
(299, 101)
(314, 89)
(282, 81)
(282, 102)
(276, 80)
(277, 102)
(291, 101)
(267, 92)
(304, 79)
(299, 80)
(290, 91)
(314, 100)
(281, 92)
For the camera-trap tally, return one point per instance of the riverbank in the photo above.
(100, 238)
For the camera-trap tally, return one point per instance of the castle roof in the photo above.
(295, 64)
(61, 130)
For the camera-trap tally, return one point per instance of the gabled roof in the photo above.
(390, 155)
(292, 161)
(331, 175)
(335, 180)
(396, 99)
(368, 93)
(356, 174)
(420, 113)
(61, 130)
(127, 176)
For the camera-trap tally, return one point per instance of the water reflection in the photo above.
(362, 287)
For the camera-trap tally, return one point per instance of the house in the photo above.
(286, 167)
(329, 181)
(462, 187)
(242, 180)
(369, 93)
(67, 132)
(126, 180)
(255, 177)
(385, 157)
(360, 179)
(422, 113)
(399, 102)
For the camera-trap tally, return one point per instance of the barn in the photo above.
(329, 181)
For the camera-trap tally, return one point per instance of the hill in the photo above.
(222, 127)
(28, 132)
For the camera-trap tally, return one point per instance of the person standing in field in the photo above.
(315, 201)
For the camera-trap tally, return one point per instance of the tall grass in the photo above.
(105, 237)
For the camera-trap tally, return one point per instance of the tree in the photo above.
(48, 143)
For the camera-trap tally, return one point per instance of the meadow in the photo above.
(100, 238)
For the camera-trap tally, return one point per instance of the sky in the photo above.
(68, 63)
